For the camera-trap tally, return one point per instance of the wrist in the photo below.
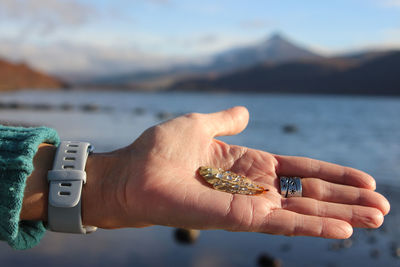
(103, 203)
(98, 202)
(104, 197)
(34, 206)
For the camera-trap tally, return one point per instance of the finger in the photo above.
(357, 216)
(227, 122)
(306, 167)
(330, 192)
(290, 223)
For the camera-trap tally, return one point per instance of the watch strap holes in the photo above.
(70, 151)
(72, 145)
(68, 166)
(69, 158)
(65, 184)
(64, 193)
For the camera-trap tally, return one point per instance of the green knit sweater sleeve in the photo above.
(18, 146)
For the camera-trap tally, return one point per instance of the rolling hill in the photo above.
(21, 76)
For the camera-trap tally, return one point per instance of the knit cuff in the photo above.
(18, 146)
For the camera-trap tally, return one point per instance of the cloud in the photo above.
(204, 45)
(254, 24)
(392, 3)
(201, 40)
(203, 8)
(160, 2)
(391, 37)
(44, 16)
(84, 60)
(70, 59)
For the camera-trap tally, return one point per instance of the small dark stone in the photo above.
(164, 115)
(335, 246)
(265, 260)
(372, 239)
(186, 236)
(393, 245)
(139, 111)
(66, 106)
(89, 107)
(374, 253)
(396, 253)
(12, 105)
(395, 249)
(290, 128)
(347, 243)
(16, 105)
(286, 247)
(3, 105)
(42, 106)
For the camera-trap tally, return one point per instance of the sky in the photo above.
(99, 37)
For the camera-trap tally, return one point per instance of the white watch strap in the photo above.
(66, 180)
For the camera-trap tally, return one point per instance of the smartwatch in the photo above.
(66, 181)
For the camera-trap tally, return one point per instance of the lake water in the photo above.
(361, 132)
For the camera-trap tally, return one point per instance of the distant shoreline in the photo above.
(118, 89)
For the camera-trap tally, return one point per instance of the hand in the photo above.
(155, 181)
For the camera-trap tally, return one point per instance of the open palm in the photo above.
(160, 185)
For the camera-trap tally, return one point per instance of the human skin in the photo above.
(154, 181)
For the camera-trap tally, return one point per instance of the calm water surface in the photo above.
(357, 131)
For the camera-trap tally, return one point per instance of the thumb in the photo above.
(228, 122)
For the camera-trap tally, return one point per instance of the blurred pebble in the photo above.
(42, 106)
(335, 246)
(139, 111)
(265, 260)
(89, 107)
(186, 236)
(395, 249)
(396, 253)
(374, 253)
(393, 245)
(286, 247)
(347, 243)
(16, 105)
(26, 106)
(164, 115)
(371, 239)
(290, 128)
(66, 106)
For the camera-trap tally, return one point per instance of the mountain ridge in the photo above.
(378, 75)
(275, 48)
